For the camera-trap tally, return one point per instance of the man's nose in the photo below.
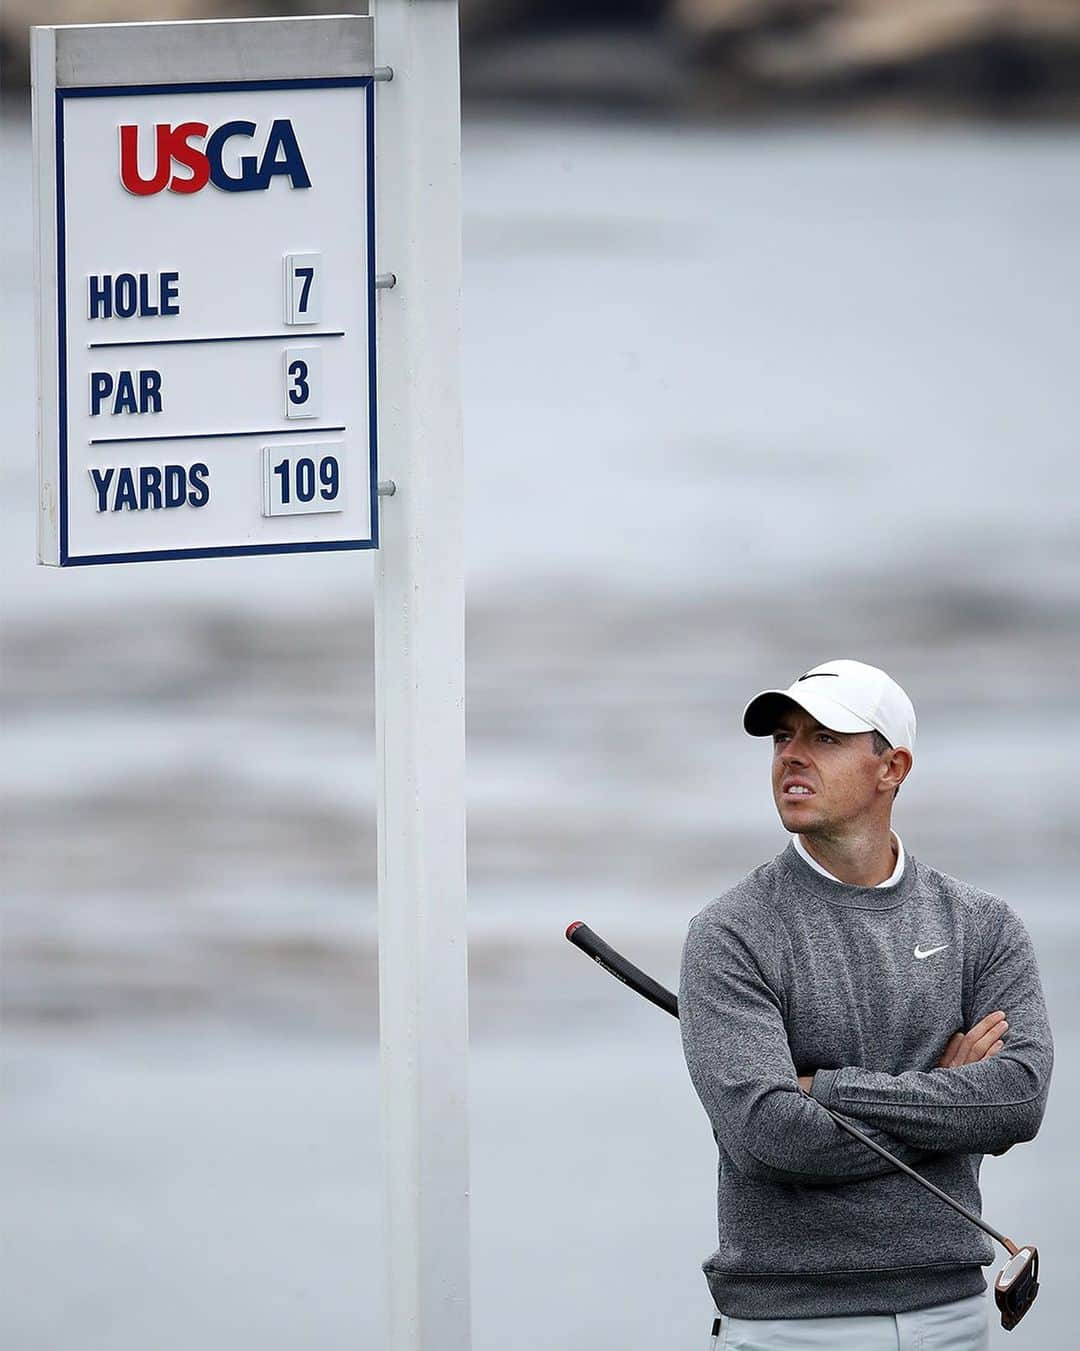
(792, 753)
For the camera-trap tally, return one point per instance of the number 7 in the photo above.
(303, 288)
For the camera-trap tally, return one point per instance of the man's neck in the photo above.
(864, 860)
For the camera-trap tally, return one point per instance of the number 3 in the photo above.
(303, 382)
(299, 392)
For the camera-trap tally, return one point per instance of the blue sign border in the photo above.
(211, 87)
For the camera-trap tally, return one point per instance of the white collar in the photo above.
(897, 872)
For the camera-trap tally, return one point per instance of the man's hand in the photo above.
(981, 1042)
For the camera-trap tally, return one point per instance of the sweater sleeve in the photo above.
(740, 1064)
(982, 1108)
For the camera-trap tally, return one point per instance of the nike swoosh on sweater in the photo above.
(791, 972)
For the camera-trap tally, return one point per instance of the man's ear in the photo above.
(895, 766)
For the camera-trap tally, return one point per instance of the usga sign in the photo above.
(194, 147)
(207, 300)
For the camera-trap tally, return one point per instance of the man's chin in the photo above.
(798, 820)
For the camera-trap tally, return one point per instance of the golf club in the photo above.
(1017, 1283)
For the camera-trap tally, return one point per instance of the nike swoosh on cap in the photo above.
(930, 951)
(817, 675)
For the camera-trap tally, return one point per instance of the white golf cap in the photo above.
(845, 696)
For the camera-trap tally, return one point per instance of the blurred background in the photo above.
(771, 346)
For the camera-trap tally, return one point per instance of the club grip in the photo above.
(615, 964)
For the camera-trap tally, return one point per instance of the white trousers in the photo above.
(962, 1325)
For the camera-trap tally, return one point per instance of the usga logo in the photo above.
(174, 145)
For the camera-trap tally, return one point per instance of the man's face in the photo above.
(840, 770)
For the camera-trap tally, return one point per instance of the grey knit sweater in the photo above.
(791, 972)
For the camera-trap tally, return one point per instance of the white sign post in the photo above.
(420, 676)
(206, 216)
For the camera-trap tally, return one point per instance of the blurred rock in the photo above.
(714, 55)
(918, 50)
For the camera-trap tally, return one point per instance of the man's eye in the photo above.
(826, 736)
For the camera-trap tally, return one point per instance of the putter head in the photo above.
(1016, 1286)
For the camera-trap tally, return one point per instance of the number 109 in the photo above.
(295, 484)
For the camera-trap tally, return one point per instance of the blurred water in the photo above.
(737, 401)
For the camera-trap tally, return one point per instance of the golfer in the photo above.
(847, 973)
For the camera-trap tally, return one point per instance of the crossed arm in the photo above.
(768, 1117)
(968, 1103)
(983, 1041)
